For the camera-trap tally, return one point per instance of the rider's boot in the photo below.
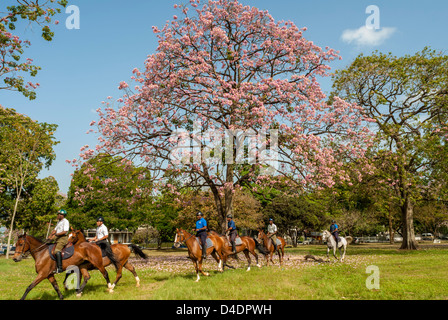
(58, 256)
(233, 247)
(204, 252)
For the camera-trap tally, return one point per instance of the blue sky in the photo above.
(82, 67)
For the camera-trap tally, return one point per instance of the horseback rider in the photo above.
(334, 230)
(201, 232)
(272, 231)
(231, 231)
(60, 233)
(102, 233)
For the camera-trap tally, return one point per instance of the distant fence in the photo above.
(375, 239)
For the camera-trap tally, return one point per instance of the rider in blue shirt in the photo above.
(201, 232)
(231, 230)
(334, 231)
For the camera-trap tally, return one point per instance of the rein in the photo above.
(184, 241)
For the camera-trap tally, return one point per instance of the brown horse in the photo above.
(45, 266)
(195, 251)
(267, 242)
(120, 251)
(248, 246)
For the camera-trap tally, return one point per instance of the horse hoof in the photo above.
(207, 274)
(78, 295)
(259, 265)
(248, 269)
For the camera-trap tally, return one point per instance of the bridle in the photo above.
(181, 241)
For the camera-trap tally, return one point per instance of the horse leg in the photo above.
(53, 281)
(36, 281)
(200, 268)
(256, 257)
(86, 276)
(280, 256)
(65, 280)
(328, 253)
(270, 257)
(195, 263)
(131, 268)
(218, 260)
(246, 253)
(119, 274)
(100, 266)
(342, 254)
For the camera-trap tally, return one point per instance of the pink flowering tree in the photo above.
(12, 66)
(230, 99)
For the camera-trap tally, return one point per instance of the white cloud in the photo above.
(364, 36)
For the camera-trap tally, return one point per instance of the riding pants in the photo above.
(203, 236)
(232, 237)
(336, 236)
(60, 243)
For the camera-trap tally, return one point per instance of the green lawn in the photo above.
(169, 275)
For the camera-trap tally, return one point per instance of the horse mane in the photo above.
(33, 237)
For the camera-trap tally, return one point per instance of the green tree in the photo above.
(107, 186)
(12, 65)
(39, 207)
(406, 97)
(27, 147)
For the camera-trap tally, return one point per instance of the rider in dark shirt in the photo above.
(231, 231)
(334, 230)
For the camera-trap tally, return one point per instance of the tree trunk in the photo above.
(407, 217)
(13, 218)
(391, 228)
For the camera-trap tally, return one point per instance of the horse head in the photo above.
(180, 237)
(22, 246)
(325, 235)
(261, 236)
(75, 236)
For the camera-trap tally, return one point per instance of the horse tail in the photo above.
(109, 254)
(348, 239)
(261, 248)
(136, 249)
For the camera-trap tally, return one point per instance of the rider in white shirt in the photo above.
(101, 232)
(60, 234)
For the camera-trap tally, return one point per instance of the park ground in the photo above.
(369, 272)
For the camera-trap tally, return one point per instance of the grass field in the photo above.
(169, 275)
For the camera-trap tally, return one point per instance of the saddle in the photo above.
(209, 242)
(238, 241)
(277, 242)
(66, 252)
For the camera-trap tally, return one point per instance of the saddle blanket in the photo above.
(209, 242)
(277, 242)
(66, 252)
(238, 242)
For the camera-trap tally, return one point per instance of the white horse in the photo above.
(331, 244)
